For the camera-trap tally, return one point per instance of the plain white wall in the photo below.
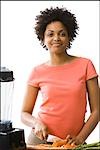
(21, 51)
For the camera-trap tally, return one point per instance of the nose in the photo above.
(56, 38)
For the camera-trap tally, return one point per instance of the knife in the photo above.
(50, 139)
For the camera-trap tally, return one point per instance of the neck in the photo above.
(59, 59)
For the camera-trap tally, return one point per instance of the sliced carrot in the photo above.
(69, 146)
(63, 144)
(59, 143)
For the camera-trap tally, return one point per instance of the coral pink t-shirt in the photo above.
(64, 95)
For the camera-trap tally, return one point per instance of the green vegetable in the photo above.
(95, 146)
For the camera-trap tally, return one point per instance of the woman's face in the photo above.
(56, 37)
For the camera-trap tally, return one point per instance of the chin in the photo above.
(57, 50)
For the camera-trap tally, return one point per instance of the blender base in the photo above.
(12, 140)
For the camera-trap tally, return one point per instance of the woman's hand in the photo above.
(40, 130)
(74, 140)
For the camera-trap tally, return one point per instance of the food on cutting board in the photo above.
(56, 143)
(60, 144)
(63, 144)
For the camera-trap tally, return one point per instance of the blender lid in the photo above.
(6, 75)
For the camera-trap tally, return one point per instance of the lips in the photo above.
(56, 44)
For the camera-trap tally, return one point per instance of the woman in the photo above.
(64, 81)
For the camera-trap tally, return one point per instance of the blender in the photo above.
(10, 138)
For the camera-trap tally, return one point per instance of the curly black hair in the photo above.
(56, 14)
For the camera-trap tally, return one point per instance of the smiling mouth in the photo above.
(56, 44)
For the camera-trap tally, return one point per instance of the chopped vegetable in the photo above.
(63, 144)
(91, 146)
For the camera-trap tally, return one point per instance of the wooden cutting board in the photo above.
(43, 147)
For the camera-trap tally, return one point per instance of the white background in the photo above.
(21, 50)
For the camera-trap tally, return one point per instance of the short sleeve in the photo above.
(33, 78)
(91, 71)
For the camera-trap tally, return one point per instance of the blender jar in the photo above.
(6, 88)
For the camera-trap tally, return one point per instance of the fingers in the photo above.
(70, 140)
(45, 134)
(41, 131)
(39, 134)
(73, 143)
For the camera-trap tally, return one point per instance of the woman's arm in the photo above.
(94, 103)
(26, 115)
(28, 106)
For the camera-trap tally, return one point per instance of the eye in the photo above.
(50, 34)
(63, 34)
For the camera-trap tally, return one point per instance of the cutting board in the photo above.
(43, 147)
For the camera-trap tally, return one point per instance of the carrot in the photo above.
(63, 144)
(59, 143)
(67, 145)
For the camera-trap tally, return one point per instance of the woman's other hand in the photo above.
(74, 140)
